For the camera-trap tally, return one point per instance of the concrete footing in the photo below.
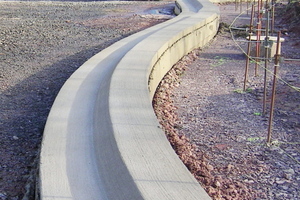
(102, 139)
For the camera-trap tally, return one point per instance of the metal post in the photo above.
(249, 49)
(273, 16)
(258, 33)
(261, 12)
(267, 46)
(277, 55)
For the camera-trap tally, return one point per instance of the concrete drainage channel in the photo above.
(102, 139)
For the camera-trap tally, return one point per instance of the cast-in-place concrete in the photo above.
(102, 139)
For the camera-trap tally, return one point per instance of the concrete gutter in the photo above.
(102, 139)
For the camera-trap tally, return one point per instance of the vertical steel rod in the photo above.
(261, 12)
(249, 49)
(266, 62)
(277, 55)
(258, 36)
(273, 16)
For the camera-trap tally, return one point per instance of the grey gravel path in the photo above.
(41, 45)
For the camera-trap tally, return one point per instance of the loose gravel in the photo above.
(41, 45)
(218, 130)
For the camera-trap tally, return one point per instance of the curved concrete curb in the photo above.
(102, 139)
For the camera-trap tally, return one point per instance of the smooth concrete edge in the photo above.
(102, 139)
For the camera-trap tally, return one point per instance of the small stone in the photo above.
(279, 195)
(289, 171)
(15, 137)
(217, 184)
(248, 181)
(288, 174)
(210, 167)
(292, 79)
(3, 196)
(230, 167)
(280, 181)
(222, 147)
(271, 181)
(285, 187)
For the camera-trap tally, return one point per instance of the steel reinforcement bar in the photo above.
(102, 139)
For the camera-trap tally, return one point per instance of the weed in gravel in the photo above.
(241, 91)
(220, 60)
(257, 113)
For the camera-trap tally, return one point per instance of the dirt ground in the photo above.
(219, 131)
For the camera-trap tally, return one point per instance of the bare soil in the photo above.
(218, 130)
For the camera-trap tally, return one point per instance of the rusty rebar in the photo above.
(277, 58)
(273, 16)
(258, 33)
(261, 11)
(249, 49)
(267, 46)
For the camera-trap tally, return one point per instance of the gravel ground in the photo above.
(218, 130)
(41, 45)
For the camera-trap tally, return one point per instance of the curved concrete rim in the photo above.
(102, 139)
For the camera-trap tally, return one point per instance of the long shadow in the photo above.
(226, 56)
(24, 110)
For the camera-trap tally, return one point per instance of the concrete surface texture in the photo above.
(102, 139)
